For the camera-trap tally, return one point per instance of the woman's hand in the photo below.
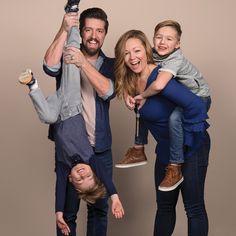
(129, 102)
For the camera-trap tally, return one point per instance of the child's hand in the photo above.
(61, 223)
(117, 208)
(139, 100)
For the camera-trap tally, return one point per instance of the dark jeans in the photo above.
(97, 213)
(192, 189)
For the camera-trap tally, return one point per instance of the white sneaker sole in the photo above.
(25, 77)
(130, 165)
(166, 189)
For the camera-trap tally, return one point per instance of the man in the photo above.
(97, 89)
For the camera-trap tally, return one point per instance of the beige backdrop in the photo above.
(27, 157)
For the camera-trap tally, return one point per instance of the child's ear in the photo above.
(70, 178)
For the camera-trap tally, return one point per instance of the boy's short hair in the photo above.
(171, 23)
(91, 195)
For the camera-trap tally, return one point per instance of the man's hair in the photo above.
(97, 191)
(96, 13)
(171, 23)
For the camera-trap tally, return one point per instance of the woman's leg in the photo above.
(195, 169)
(166, 203)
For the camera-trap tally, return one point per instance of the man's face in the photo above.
(93, 35)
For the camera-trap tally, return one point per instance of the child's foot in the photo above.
(27, 78)
(72, 6)
(173, 178)
(133, 157)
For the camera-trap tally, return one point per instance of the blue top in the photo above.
(157, 109)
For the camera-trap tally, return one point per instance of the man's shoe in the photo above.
(26, 77)
(72, 6)
(173, 178)
(133, 157)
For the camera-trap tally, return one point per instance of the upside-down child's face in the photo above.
(82, 177)
(166, 40)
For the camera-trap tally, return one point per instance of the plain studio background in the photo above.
(27, 157)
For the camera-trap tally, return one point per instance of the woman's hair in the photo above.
(125, 77)
(97, 191)
(171, 23)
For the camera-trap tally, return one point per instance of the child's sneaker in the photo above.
(133, 157)
(72, 6)
(26, 77)
(173, 178)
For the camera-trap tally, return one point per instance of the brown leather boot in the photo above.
(133, 157)
(173, 178)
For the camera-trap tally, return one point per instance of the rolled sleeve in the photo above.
(110, 91)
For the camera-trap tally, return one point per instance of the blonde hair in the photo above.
(96, 192)
(126, 78)
(171, 23)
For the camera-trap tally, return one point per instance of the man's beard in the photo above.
(89, 51)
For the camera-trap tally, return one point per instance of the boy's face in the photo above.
(166, 40)
(82, 177)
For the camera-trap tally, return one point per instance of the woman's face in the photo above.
(135, 55)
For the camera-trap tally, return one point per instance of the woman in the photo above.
(135, 71)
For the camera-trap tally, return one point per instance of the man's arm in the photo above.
(54, 53)
(100, 83)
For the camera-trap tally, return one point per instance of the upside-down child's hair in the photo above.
(91, 195)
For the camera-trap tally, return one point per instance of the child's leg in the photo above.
(71, 139)
(176, 136)
(135, 156)
(48, 109)
(173, 175)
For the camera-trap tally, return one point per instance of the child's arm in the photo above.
(117, 208)
(61, 223)
(156, 87)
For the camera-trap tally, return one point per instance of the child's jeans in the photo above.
(177, 135)
(175, 131)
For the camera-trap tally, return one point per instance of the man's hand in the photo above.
(62, 224)
(73, 55)
(69, 20)
(117, 208)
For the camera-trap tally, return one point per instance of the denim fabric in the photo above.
(103, 131)
(141, 137)
(97, 213)
(192, 189)
(176, 133)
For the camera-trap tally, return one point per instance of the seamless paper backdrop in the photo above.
(27, 157)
